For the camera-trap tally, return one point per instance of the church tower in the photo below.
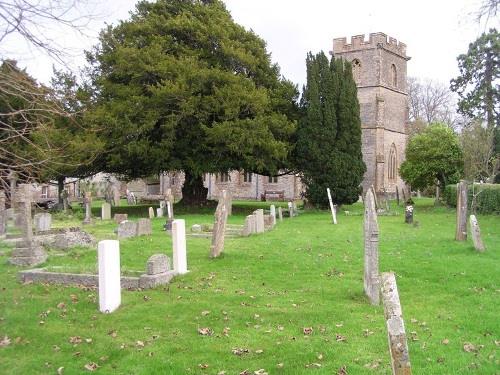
(379, 69)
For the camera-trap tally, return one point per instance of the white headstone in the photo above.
(476, 233)
(170, 211)
(151, 213)
(106, 211)
(280, 213)
(290, 209)
(159, 212)
(179, 246)
(259, 221)
(273, 214)
(109, 275)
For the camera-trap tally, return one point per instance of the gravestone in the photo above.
(12, 176)
(87, 201)
(108, 253)
(332, 208)
(131, 200)
(106, 211)
(398, 345)
(43, 222)
(371, 272)
(120, 218)
(196, 228)
(409, 211)
(249, 226)
(273, 214)
(217, 245)
(295, 210)
(397, 195)
(116, 196)
(280, 213)
(64, 198)
(157, 263)
(476, 234)
(259, 221)
(27, 252)
(229, 202)
(144, 227)
(159, 212)
(179, 246)
(290, 209)
(127, 229)
(3, 214)
(151, 212)
(461, 232)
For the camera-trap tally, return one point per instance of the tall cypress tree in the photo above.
(328, 150)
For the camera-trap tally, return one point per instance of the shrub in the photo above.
(487, 197)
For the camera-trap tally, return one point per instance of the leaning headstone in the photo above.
(43, 222)
(461, 232)
(219, 229)
(120, 218)
(127, 229)
(106, 211)
(398, 346)
(259, 221)
(179, 246)
(332, 208)
(27, 252)
(476, 233)
(144, 227)
(371, 273)
(109, 275)
(159, 212)
(249, 226)
(280, 213)
(273, 214)
(87, 201)
(151, 212)
(3, 214)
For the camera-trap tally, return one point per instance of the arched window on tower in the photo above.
(392, 172)
(356, 70)
(394, 76)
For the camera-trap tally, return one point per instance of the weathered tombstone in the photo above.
(116, 195)
(229, 203)
(249, 226)
(397, 195)
(131, 200)
(43, 222)
(196, 228)
(332, 208)
(409, 211)
(109, 275)
(461, 233)
(280, 213)
(64, 198)
(290, 209)
(151, 213)
(273, 214)
(371, 274)
(163, 205)
(157, 263)
(170, 210)
(259, 221)
(120, 218)
(106, 211)
(398, 346)
(87, 201)
(476, 234)
(159, 212)
(179, 246)
(27, 252)
(13, 186)
(295, 210)
(144, 227)
(219, 229)
(127, 229)
(3, 214)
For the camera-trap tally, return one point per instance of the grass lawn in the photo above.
(259, 296)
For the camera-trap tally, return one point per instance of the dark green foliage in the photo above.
(181, 86)
(487, 197)
(328, 149)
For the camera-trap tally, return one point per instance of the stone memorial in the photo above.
(398, 345)
(158, 272)
(87, 202)
(461, 232)
(476, 234)
(249, 226)
(409, 211)
(196, 228)
(27, 252)
(371, 232)
(332, 208)
(3, 214)
(259, 221)
(295, 210)
(375, 198)
(179, 246)
(151, 212)
(116, 196)
(272, 211)
(144, 227)
(159, 212)
(43, 222)
(120, 218)
(290, 209)
(127, 229)
(280, 213)
(105, 211)
(109, 275)
(219, 229)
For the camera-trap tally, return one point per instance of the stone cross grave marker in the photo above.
(87, 201)
(476, 234)
(108, 253)
(105, 211)
(273, 214)
(3, 214)
(398, 346)
(332, 207)
(219, 230)
(371, 273)
(27, 252)
(259, 221)
(461, 233)
(151, 212)
(179, 246)
(280, 213)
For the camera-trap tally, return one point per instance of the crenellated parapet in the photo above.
(375, 40)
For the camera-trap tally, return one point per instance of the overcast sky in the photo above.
(435, 31)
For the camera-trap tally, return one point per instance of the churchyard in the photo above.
(286, 301)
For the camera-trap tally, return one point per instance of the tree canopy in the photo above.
(328, 149)
(181, 86)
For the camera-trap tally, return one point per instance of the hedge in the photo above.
(487, 197)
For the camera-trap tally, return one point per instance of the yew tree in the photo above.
(180, 86)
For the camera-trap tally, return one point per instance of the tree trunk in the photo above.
(193, 191)
(60, 189)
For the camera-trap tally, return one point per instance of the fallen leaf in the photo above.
(205, 313)
(203, 366)
(139, 344)
(445, 342)
(280, 365)
(240, 351)
(259, 351)
(113, 333)
(5, 341)
(75, 340)
(205, 331)
(260, 372)
(339, 337)
(469, 348)
(307, 330)
(225, 331)
(320, 356)
(56, 348)
(61, 305)
(342, 371)
(92, 366)
(60, 370)
(88, 341)
(313, 365)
